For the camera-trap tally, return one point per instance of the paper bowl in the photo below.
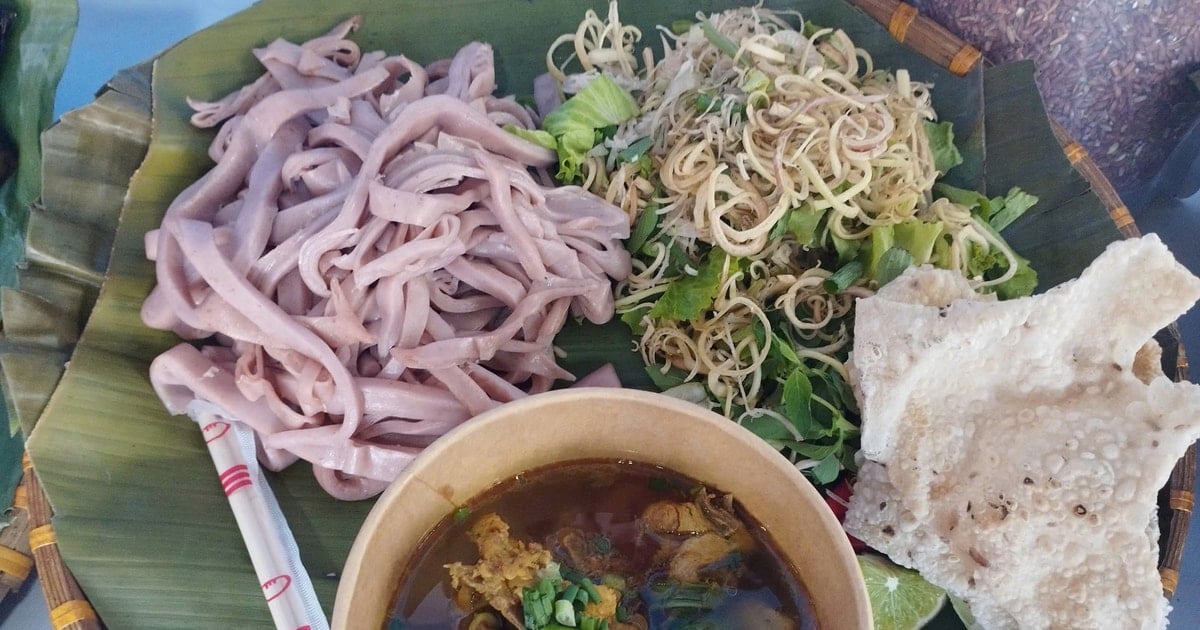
(591, 423)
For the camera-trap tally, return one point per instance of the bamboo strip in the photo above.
(69, 608)
(16, 560)
(922, 34)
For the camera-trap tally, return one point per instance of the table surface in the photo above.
(115, 34)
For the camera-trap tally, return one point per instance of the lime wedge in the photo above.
(900, 598)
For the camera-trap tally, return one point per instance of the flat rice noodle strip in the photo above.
(326, 177)
(460, 384)
(283, 259)
(471, 74)
(310, 157)
(419, 256)
(473, 322)
(425, 114)
(286, 74)
(182, 374)
(347, 489)
(417, 311)
(252, 228)
(578, 212)
(603, 376)
(341, 326)
(411, 207)
(367, 243)
(600, 258)
(195, 237)
(365, 118)
(416, 401)
(444, 353)
(488, 280)
(332, 134)
(291, 295)
(390, 431)
(212, 113)
(255, 383)
(273, 111)
(501, 203)
(224, 136)
(410, 90)
(389, 315)
(511, 110)
(334, 44)
(496, 387)
(469, 303)
(325, 448)
(300, 67)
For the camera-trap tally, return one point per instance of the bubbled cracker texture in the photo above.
(1010, 450)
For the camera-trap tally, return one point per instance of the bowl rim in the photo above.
(858, 610)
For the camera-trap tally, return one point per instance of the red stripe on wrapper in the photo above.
(235, 478)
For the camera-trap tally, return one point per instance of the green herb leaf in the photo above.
(941, 143)
(643, 228)
(672, 378)
(690, 296)
(797, 401)
(827, 470)
(633, 319)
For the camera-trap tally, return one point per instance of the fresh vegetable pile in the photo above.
(772, 176)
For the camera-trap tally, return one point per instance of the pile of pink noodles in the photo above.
(372, 260)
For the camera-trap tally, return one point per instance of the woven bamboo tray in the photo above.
(29, 540)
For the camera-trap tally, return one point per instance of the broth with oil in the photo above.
(648, 548)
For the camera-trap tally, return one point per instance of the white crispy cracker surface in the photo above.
(1011, 454)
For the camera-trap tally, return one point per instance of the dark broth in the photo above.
(603, 499)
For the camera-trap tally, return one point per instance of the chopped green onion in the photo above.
(716, 38)
(587, 623)
(570, 593)
(587, 585)
(843, 278)
(635, 151)
(462, 514)
(893, 263)
(564, 613)
(679, 27)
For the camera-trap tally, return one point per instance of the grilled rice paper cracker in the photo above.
(1009, 452)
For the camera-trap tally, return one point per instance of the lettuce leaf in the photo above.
(999, 212)
(941, 143)
(575, 123)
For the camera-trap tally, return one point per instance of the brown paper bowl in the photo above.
(602, 423)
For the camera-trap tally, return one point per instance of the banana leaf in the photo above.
(140, 516)
(36, 38)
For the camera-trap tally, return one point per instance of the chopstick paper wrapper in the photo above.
(273, 550)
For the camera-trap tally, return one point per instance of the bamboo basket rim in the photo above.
(70, 609)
